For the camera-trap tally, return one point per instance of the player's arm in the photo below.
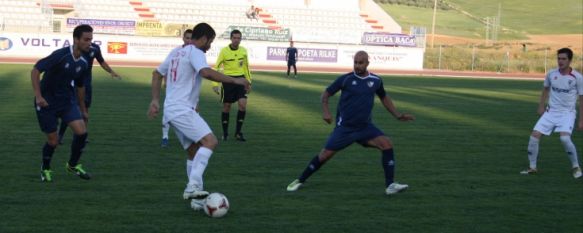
(220, 60)
(155, 103)
(213, 75)
(388, 104)
(109, 70)
(35, 79)
(326, 115)
(580, 126)
(81, 101)
(543, 100)
(287, 55)
(247, 71)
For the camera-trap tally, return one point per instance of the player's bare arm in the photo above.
(81, 102)
(580, 125)
(155, 103)
(388, 103)
(326, 116)
(109, 70)
(213, 75)
(543, 100)
(35, 78)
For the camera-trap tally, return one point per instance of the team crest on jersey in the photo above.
(92, 54)
(78, 69)
(353, 82)
(555, 77)
(570, 81)
(370, 83)
(66, 65)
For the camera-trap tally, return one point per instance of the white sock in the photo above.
(198, 166)
(165, 129)
(188, 167)
(570, 149)
(533, 151)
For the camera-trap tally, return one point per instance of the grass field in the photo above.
(461, 158)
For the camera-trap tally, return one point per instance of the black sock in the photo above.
(77, 148)
(314, 165)
(48, 152)
(225, 122)
(240, 119)
(62, 129)
(388, 162)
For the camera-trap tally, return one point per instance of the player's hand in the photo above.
(216, 90)
(541, 110)
(115, 75)
(154, 109)
(85, 115)
(244, 83)
(327, 117)
(41, 102)
(406, 117)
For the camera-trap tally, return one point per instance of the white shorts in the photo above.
(556, 121)
(189, 128)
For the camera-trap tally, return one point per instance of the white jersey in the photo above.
(564, 90)
(183, 80)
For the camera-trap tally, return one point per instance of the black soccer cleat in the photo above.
(239, 137)
(79, 171)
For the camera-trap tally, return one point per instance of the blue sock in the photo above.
(388, 162)
(314, 165)
(76, 148)
(48, 152)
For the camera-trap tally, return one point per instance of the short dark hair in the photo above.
(79, 30)
(235, 32)
(186, 32)
(203, 29)
(568, 51)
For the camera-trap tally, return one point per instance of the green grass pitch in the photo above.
(461, 158)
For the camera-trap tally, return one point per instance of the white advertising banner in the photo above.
(154, 49)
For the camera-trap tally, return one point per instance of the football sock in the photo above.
(225, 123)
(240, 119)
(77, 148)
(388, 162)
(314, 165)
(571, 150)
(288, 68)
(48, 152)
(62, 129)
(165, 129)
(198, 166)
(533, 151)
(188, 167)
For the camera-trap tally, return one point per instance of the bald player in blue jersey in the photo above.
(94, 53)
(55, 98)
(354, 122)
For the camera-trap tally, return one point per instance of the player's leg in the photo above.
(47, 119)
(191, 153)
(544, 126)
(295, 70)
(242, 103)
(565, 128)
(225, 120)
(88, 101)
(289, 65)
(73, 117)
(384, 144)
(62, 129)
(165, 130)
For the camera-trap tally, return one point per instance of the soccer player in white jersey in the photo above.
(562, 87)
(184, 68)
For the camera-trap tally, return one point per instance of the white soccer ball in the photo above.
(216, 205)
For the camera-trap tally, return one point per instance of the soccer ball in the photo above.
(216, 205)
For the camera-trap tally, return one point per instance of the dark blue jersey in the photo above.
(94, 53)
(291, 53)
(60, 68)
(356, 99)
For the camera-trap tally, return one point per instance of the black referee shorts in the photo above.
(231, 93)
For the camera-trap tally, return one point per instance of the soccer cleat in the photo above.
(164, 143)
(530, 171)
(239, 137)
(194, 192)
(78, 170)
(294, 185)
(224, 138)
(197, 204)
(45, 175)
(576, 172)
(395, 188)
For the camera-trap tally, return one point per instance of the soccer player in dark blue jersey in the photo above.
(291, 56)
(55, 98)
(93, 54)
(354, 121)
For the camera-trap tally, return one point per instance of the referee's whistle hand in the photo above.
(216, 90)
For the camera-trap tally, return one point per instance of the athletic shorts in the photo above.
(291, 63)
(342, 136)
(231, 93)
(556, 121)
(189, 128)
(48, 117)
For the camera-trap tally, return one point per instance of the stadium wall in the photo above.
(148, 50)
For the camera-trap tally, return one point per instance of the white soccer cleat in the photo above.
(395, 188)
(197, 204)
(577, 172)
(194, 192)
(294, 185)
(529, 171)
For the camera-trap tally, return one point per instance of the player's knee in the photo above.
(536, 134)
(209, 141)
(565, 139)
(385, 143)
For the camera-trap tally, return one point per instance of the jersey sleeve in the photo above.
(547, 82)
(98, 55)
(579, 81)
(50, 61)
(80, 80)
(198, 60)
(246, 70)
(336, 85)
(381, 93)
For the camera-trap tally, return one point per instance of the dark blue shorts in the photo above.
(291, 63)
(48, 117)
(342, 136)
